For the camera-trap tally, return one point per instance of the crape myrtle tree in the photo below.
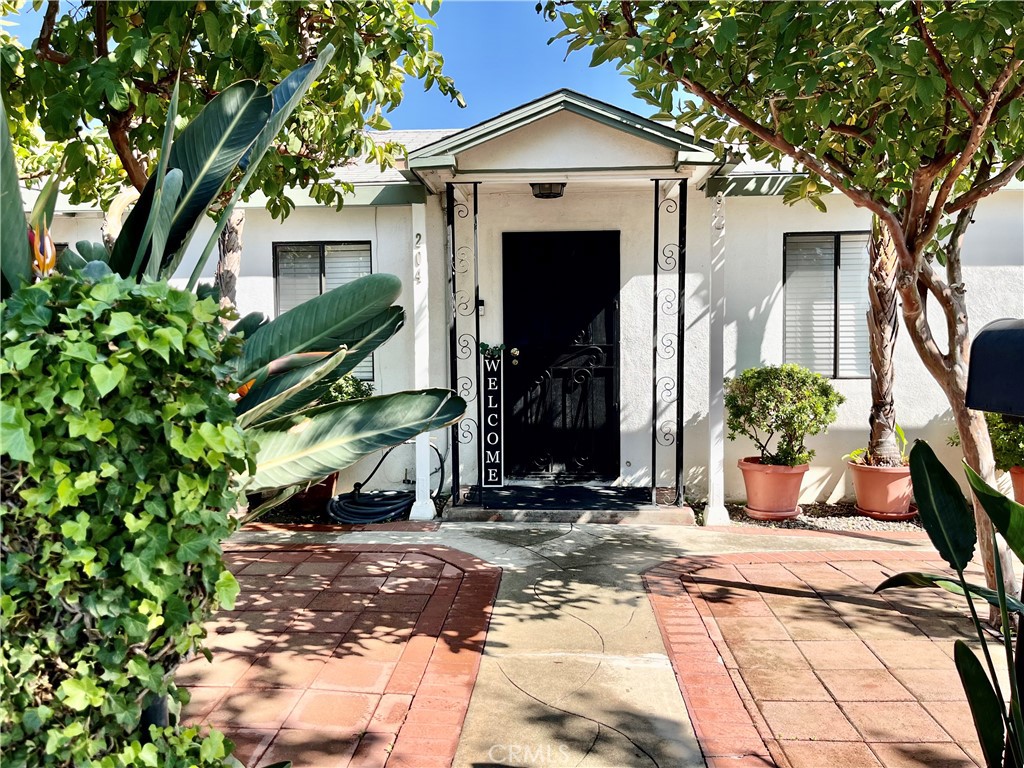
(93, 87)
(913, 110)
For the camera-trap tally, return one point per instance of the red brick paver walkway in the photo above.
(345, 655)
(789, 659)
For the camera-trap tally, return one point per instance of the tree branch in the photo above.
(970, 149)
(986, 188)
(916, 323)
(118, 130)
(101, 29)
(940, 61)
(44, 50)
(853, 133)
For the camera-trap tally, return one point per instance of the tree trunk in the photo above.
(883, 447)
(114, 220)
(950, 372)
(229, 258)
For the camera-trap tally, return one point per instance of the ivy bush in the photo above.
(120, 444)
(785, 403)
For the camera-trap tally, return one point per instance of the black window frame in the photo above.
(323, 245)
(837, 236)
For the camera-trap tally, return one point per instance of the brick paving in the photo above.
(340, 655)
(788, 659)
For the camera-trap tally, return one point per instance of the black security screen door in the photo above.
(561, 396)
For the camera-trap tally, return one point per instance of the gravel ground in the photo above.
(842, 516)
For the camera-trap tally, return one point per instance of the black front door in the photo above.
(562, 389)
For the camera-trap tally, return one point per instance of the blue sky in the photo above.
(497, 52)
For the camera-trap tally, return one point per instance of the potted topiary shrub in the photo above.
(784, 403)
(883, 492)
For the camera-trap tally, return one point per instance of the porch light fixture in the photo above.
(548, 190)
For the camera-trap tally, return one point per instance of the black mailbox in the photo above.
(995, 381)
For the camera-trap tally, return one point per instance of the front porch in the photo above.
(572, 231)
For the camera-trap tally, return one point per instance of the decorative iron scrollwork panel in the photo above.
(667, 282)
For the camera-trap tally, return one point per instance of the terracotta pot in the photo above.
(1017, 478)
(772, 491)
(883, 493)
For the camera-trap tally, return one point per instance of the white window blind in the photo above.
(853, 358)
(305, 270)
(826, 303)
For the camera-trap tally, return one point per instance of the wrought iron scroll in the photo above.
(668, 291)
(464, 332)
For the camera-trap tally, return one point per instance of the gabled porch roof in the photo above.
(665, 152)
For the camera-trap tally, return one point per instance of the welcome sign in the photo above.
(491, 460)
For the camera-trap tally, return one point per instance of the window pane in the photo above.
(298, 274)
(809, 307)
(342, 264)
(854, 340)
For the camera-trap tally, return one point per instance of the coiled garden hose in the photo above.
(357, 507)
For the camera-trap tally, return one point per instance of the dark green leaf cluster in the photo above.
(786, 403)
(120, 443)
(100, 87)
(912, 109)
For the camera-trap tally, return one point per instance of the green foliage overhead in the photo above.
(119, 446)
(890, 103)
(785, 403)
(97, 80)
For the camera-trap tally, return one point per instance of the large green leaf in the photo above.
(15, 268)
(313, 444)
(160, 221)
(942, 507)
(305, 390)
(1006, 514)
(930, 580)
(254, 409)
(324, 323)
(285, 97)
(46, 203)
(986, 708)
(206, 152)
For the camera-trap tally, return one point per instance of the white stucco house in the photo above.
(567, 229)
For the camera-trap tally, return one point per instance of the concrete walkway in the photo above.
(575, 671)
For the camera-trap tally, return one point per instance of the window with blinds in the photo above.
(826, 303)
(303, 271)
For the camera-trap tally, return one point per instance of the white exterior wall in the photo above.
(993, 254)
(994, 274)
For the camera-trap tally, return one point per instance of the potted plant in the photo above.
(883, 491)
(784, 404)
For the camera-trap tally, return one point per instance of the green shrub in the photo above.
(784, 402)
(120, 445)
(1007, 435)
(348, 387)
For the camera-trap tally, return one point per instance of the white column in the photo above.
(716, 514)
(423, 508)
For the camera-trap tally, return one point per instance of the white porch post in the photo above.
(423, 508)
(716, 514)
